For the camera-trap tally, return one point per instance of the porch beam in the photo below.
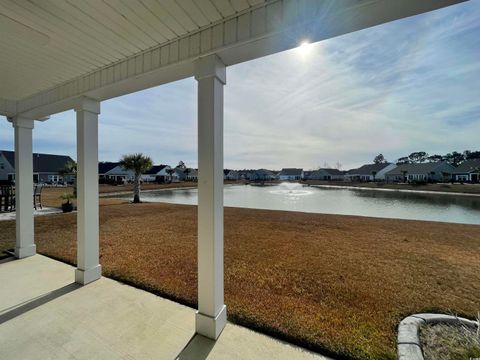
(211, 316)
(25, 244)
(88, 266)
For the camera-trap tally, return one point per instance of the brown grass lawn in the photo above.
(336, 284)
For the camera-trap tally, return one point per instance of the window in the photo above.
(54, 178)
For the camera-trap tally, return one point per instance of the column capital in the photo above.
(84, 103)
(21, 122)
(210, 66)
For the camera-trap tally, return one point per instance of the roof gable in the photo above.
(104, 167)
(368, 169)
(155, 169)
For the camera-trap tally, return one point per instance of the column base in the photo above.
(84, 277)
(209, 326)
(25, 251)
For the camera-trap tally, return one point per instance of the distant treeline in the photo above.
(454, 158)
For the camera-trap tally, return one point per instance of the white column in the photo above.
(211, 316)
(88, 267)
(25, 245)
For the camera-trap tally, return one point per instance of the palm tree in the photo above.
(374, 173)
(140, 164)
(170, 172)
(70, 168)
(404, 172)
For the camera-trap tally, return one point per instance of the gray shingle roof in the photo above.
(104, 167)
(42, 163)
(424, 168)
(468, 166)
(291, 172)
(368, 169)
(333, 171)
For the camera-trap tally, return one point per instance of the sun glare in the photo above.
(304, 48)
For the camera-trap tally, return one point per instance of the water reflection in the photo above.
(421, 198)
(375, 203)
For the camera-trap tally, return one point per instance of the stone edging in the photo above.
(408, 340)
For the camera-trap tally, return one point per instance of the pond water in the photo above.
(375, 203)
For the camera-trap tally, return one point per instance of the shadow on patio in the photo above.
(43, 315)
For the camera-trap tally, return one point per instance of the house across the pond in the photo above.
(160, 173)
(325, 175)
(369, 172)
(434, 171)
(114, 171)
(46, 167)
(468, 171)
(291, 174)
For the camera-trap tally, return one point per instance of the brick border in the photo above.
(408, 340)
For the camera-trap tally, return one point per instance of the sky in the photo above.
(409, 85)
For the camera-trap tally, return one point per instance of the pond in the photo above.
(374, 203)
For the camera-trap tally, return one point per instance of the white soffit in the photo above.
(44, 43)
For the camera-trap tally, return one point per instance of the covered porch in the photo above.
(73, 58)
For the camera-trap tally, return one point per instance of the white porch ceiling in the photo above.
(53, 51)
(44, 43)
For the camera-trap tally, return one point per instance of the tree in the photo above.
(374, 173)
(418, 157)
(140, 164)
(181, 165)
(379, 159)
(454, 158)
(435, 158)
(404, 172)
(338, 165)
(469, 155)
(70, 169)
(170, 172)
(403, 160)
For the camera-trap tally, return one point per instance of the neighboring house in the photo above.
(307, 174)
(46, 167)
(468, 171)
(369, 172)
(192, 175)
(179, 172)
(435, 171)
(113, 171)
(263, 175)
(232, 175)
(159, 173)
(291, 174)
(7, 165)
(225, 173)
(326, 175)
(246, 175)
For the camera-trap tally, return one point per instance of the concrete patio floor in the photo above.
(44, 315)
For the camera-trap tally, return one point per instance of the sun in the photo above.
(304, 48)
